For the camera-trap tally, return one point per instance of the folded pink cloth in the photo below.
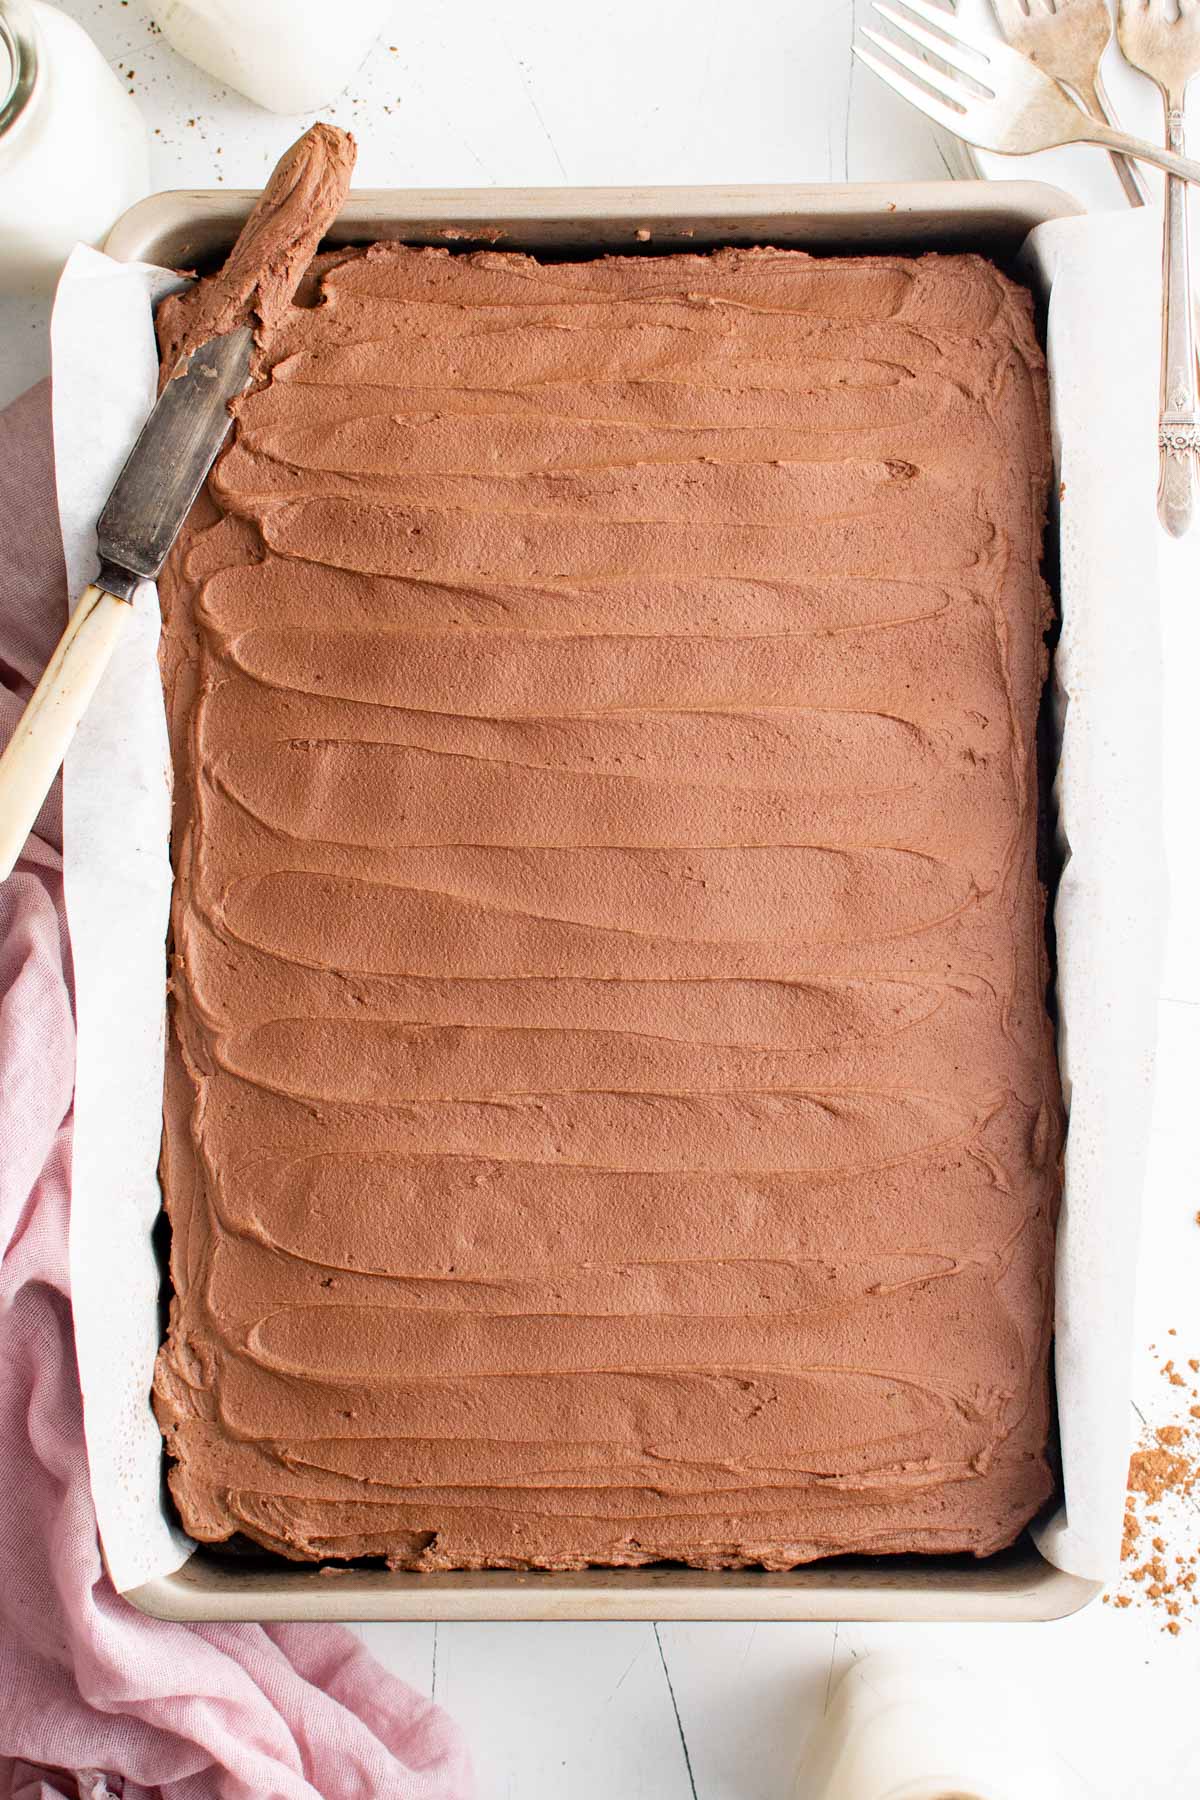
(96, 1699)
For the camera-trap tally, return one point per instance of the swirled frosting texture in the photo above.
(273, 250)
(612, 1112)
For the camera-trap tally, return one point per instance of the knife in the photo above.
(177, 447)
(152, 497)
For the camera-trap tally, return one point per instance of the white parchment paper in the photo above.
(117, 878)
(1110, 913)
(1103, 340)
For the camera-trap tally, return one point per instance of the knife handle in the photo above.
(58, 702)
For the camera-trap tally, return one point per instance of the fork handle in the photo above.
(1177, 436)
(1093, 131)
(1095, 99)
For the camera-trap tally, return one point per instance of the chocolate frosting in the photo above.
(273, 250)
(611, 1111)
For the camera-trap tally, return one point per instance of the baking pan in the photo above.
(193, 231)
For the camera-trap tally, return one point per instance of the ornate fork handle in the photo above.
(1178, 435)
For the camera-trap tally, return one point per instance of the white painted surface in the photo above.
(688, 91)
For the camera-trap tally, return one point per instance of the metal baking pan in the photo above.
(193, 231)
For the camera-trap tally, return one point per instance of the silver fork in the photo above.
(1068, 38)
(1167, 49)
(1006, 103)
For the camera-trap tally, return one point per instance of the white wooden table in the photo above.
(536, 92)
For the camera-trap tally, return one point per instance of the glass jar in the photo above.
(74, 151)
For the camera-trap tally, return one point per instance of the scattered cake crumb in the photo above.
(1164, 1475)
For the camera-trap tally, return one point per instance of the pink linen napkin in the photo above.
(97, 1700)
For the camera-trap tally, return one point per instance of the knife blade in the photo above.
(166, 468)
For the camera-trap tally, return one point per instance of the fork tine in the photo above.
(947, 52)
(1014, 14)
(934, 78)
(921, 98)
(952, 25)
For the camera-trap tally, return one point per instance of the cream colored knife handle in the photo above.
(38, 745)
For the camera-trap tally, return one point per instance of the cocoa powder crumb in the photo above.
(1164, 1471)
(1130, 1534)
(1156, 1472)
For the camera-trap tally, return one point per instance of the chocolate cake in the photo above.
(611, 1110)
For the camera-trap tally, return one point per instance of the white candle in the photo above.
(74, 152)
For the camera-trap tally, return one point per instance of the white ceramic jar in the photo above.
(291, 56)
(74, 151)
(909, 1725)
